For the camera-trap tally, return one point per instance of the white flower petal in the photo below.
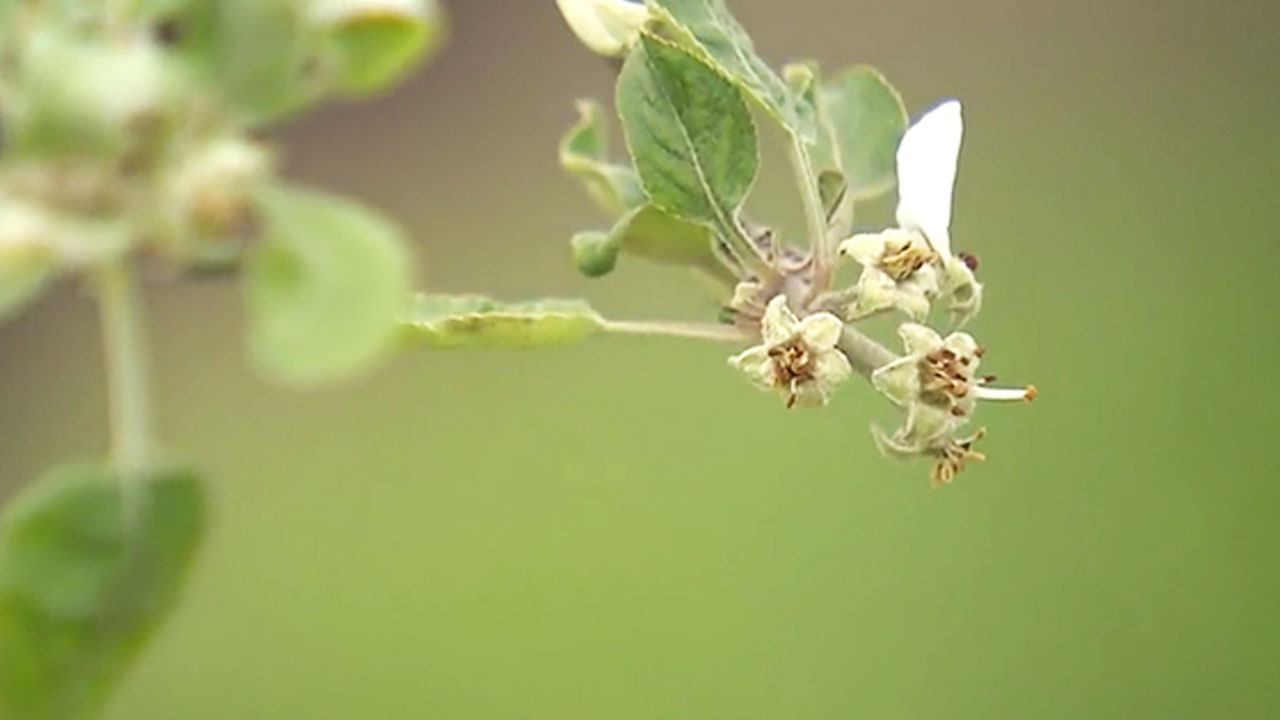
(927, 159)
(961, 344)
(831, 368)
(779, 324)
(756, 365)
(899, 380)
(608, 27)
(821, 331)
(919, 339)
(864, 248)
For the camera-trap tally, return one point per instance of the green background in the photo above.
(626, 530)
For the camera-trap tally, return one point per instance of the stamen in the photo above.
(1027, 393)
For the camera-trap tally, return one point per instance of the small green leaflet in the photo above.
(584, 153)
(376, 42)
(475, 321)
(87, 574)
(720, 39)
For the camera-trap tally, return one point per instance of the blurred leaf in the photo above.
(689, 132)
(27, 255)
(584, 152)
(86, 576)
(325, 288)
(378, 41)
(474, 321)
(720, 39)
(24, 272)
(862, 118)
(262, 54)
(80, 98)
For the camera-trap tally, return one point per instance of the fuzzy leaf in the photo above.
(689, 133)
(584, 153)
(862, 118)
(85, 580)
(377, 41)
(708, 27)
(261, 54)
(325, 289)
(474, 321)
(24, 272)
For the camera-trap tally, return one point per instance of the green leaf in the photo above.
(720, 39)
(325, 288)
(24, 272)
(88, 570)
(262, 54)
(862, 118)
(584, 153)
(833, 192)
(689, 133)
(80, 98)
(377, 41)
(650, 233)
(474, 321)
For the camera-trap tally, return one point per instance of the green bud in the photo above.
(594, 253)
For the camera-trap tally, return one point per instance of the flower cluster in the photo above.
(905, 268)
(810, 339)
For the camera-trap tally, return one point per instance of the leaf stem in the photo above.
(815, 215)
(696, 331)
(128, 372)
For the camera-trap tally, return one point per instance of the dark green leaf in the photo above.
(707, 26)
(474, 321)
(326, 288)
(689, 133)
(88, 570)
(584, 152)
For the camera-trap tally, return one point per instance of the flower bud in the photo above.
(608, 27)
(594, 253)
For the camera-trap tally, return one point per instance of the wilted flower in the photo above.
(798, 357)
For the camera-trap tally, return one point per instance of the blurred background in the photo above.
(627, 530)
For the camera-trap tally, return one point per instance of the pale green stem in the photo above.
(720, 333)
(128, 375)
(815, 215)
(743, 247)
(865, 354)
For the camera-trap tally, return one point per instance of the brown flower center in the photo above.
(904, 256)
(792, 367)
